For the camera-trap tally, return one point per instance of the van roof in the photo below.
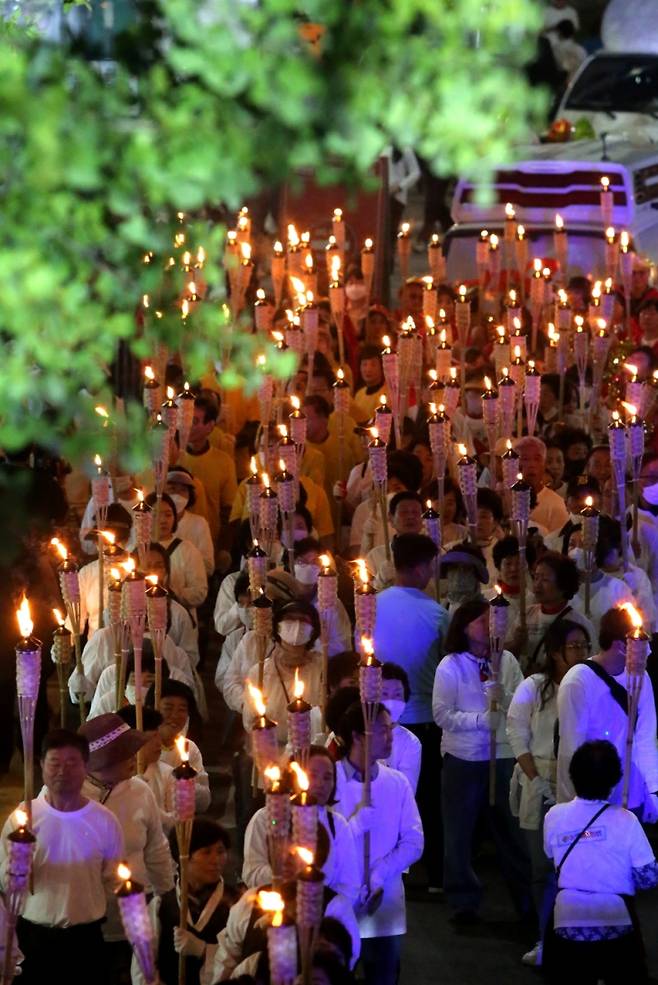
(565, 178)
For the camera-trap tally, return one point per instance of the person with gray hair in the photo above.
(550, 511)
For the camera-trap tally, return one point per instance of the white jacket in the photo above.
(459, 701)
(396, 841)
(340, 869)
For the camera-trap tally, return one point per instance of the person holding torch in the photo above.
(78, 846)
(396, 838)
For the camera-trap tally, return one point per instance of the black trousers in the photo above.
(77, 953)
(616, 962)
(428, 798)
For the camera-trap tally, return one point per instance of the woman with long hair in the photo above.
(463, 706)
(531, 725)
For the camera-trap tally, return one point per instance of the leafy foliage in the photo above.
(223, 100)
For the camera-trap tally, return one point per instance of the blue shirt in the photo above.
(408, 626)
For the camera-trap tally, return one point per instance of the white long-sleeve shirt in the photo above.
(606, 593)
(405, 755)
(396, 841)
(147, 852)
(187, 575)
(194, 529)
(587, 710)
(459, 701)
(225, 615)
(75, 862)
(98, 654)
(277, 698)
(223, 960)
(104, 695)
(340, 868)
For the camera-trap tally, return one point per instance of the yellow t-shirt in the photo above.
(336, 445)
(367, 403)
(317, 504)
(216, 471)
(220, 439)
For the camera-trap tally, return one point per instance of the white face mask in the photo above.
(355, 292)
(394, 707)
(180, 502)
(295, 633)
(307, 574)
(131, 693)
(246, 616)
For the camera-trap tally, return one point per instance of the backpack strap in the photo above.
(617, 690)
(176, 542)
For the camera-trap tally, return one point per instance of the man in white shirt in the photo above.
(408, 631)
(592, 703)
(78, 847)
(550, 511)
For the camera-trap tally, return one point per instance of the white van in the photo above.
(617, 93)
(562, 179)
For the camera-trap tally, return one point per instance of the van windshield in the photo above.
(618, 83)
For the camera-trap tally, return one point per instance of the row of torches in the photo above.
(127, 606)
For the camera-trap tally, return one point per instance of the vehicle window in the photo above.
(618, 83)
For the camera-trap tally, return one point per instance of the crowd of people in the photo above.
(534, 739)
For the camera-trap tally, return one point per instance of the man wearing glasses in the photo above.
(592, 704)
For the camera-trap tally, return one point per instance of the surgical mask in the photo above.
(394, 707)
(355, 292)
(295, 633)
(307, 574)
(131, 693)
(246, 616)
(180, 502)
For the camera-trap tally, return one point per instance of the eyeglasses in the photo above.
(583, 647)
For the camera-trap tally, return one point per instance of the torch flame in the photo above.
(382, 400)
(462, 450)
(374, 433)
(124, 872)
(271, 902)
(559, 223)
(108, 537)
(487, 382)
(256, 696)
(368, 647)
(364, 575)
(340, 374)
(298, 686)
(245, 249)
(630, 368)
(59, 618)
(300, 775)
(629, 408)
(183, 747)
(116, 574)
(509, 211)
(272, 773)
(636, 616)
(25, 623)
(295, 401)
(60, 548)
(335, 268)
(149, 374)
(499, 590)
(20, 817)
(305, 855)
(129, 566)
(101, 411)
(153, 579)
(589, 502)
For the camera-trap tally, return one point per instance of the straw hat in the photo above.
(110, 740)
